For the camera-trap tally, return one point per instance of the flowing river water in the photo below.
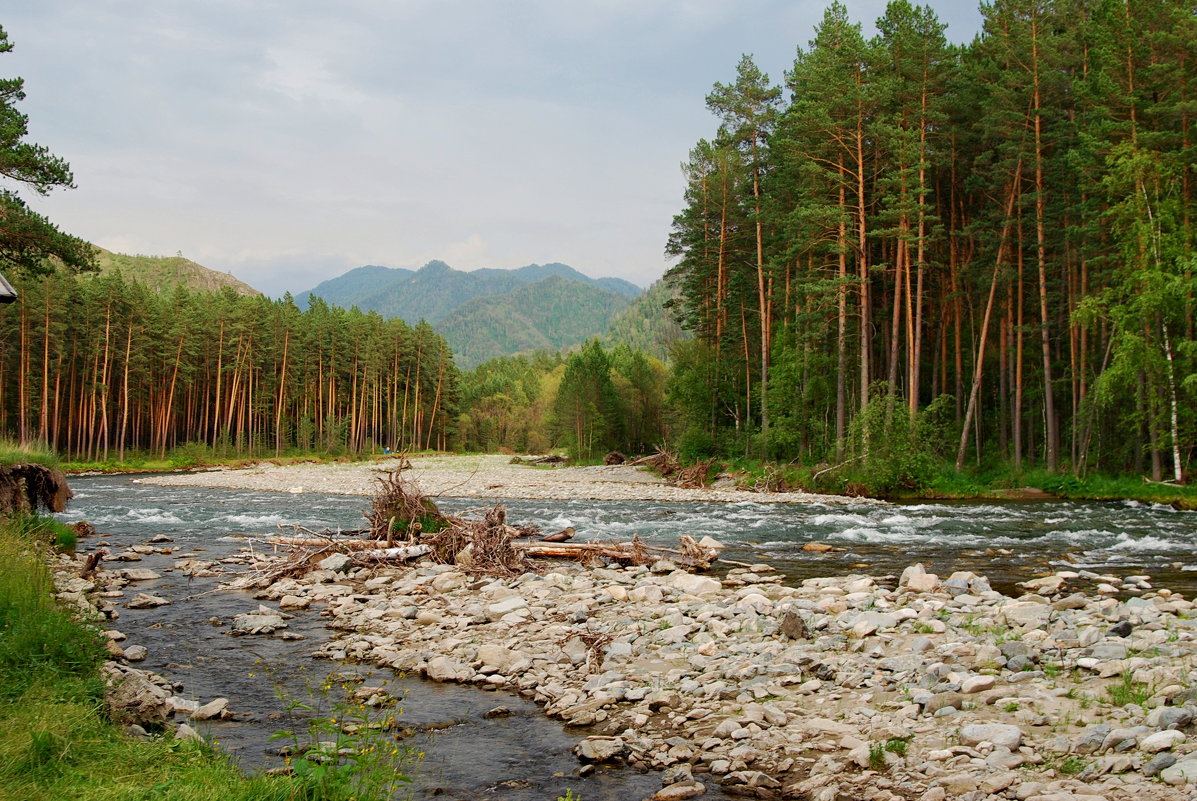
(524, 756)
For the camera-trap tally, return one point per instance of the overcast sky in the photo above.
(287, 141)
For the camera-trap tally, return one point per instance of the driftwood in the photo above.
(689, 553)
(91, 563)
(551, 458)
(663, 461)
(695, 476)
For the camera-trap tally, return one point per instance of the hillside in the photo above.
(167, 272)
(355, 286)
(550, 314)
(436, 289)
(646, 324)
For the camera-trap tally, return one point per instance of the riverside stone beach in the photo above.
(1075, 684)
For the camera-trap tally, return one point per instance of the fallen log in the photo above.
(559, 536)
(401, 554)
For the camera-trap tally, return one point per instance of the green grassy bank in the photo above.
(56, 743)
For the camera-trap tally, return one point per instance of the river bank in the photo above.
(490, 477)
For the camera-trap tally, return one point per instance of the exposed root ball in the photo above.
(32, 487)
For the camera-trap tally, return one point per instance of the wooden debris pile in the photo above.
(404, 525)
(550, 459)
(695, 476)
(666, 463)
(663, 462)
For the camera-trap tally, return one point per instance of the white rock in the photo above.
(185, 732)
(144, 600)
(140, 574)
(695, 585)
(443, 668)
(504, 607)
(1160, 741)
(997, 733)
(976, 684)
(210, 710)
(337, 563)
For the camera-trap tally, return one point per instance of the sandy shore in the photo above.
(491, 477)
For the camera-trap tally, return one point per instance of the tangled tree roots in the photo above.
(399, 509)
(663, 461)
(483, 546)
(32, 487)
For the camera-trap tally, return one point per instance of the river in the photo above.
(526, 756)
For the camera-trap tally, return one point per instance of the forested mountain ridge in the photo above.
(648, 323)
(167, 272)
(357, 285)
(550, 314)
(436, 289)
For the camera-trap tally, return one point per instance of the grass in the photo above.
(55, 740)
(1128, 691)
(12, 452)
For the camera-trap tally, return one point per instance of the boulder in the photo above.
(504, 607)
(695, 585)
(143, 600)
(1000, 734)
(600, 749)
(213, 709)
(134, 699)
(337, 563)
(256, 623)
(139, 574)
(443, 668)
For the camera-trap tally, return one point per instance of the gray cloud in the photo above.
(288, 141)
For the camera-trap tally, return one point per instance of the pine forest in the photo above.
(983, 252)
(907, 256)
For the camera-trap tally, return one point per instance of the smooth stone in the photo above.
(210, 710)
(1002, 734)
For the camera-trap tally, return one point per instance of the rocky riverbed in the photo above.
(853, 687)
(842, 688)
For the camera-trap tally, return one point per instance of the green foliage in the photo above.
(550, 314)
(13, 452)
(1011, 214)
(212, 376)
(341, 748)
(164, 273)
(877, 759)
(892, 453)
(1128, 691)
(647, 325)
(39, 642)
(587, 408)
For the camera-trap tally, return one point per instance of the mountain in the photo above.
(550, 314)
(167, 272)
(436, 289)
(646, 324)
(355, 286)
